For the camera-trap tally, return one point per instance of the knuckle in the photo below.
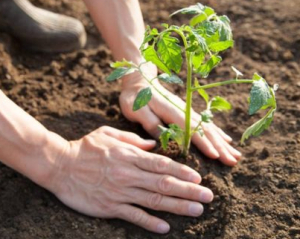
(181, 207)
(193, 191)
(137, 217)
(154, 200)
(165, 184)
(161, 165)
(104, 129)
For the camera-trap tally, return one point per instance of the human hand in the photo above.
(107, 171)
(214, 144)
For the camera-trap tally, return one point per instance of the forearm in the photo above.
(26, 145)
(121, 25)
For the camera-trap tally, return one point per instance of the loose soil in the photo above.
(258, 198)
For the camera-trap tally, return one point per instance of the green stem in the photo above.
(188, 107)
(212, 85)
(158, 91)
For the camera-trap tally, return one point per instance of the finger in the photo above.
(160, 202)
(141, 218)
(205, 146)
(235, 153)
(162, 165)
(171, 186)
(149, 121)
(130, 138)
(225, 136)
(221, 146)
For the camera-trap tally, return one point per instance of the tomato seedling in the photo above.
(199, 44)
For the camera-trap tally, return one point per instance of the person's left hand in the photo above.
(214, 144)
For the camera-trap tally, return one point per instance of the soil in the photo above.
(258, 198)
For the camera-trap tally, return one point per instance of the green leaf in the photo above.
(174, 132)
(123, 63)
(198, 59)
(201, 92)
(164, 136)
(256, 77)
(170, 52)
(170, 78)
(142, 98)
(202, 17)
(259, 96)
(219, 104)
(119, 72)
(200, 40)
(220, 46)
(225, 29)
(194, 9)
(150, 55)
(205, 69)
(148, 36)
(258, 127)
(206, 116)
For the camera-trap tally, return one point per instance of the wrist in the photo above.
(51, 161)
(137, 78)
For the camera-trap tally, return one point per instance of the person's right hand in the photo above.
(106, 173)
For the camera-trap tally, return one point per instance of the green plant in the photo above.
(201, 41)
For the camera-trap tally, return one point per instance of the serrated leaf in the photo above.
(201, 92)
(220, 46)
(119, 72)
(210, 27)
(150, 55)
(207, 11)
(258, 127)
(205, 69)
(164, 137)
(194, 9)
(225, 29)
(174, 132)
(148, 36)
(165, 25)
(198, 59)
(177, 134)
(170, 78)
(123, 63)
(256, 77)
(170, 52)
(142, 98)
(200, 40)
(219, 104)
(206, 116)
(259, 96)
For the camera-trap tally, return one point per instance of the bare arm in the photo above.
(121, 25)
(26, 145)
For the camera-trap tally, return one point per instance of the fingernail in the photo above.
(195, 209)
(163, 227)
(206, 195)
(150, 141)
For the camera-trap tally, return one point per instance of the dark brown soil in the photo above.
(258, 198)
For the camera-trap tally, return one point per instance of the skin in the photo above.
(107, 171)
(128, 25)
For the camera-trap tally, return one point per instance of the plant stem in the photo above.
(212, 85)
(158, 91)
(188, 107)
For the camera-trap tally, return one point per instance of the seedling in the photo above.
(198, 44)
